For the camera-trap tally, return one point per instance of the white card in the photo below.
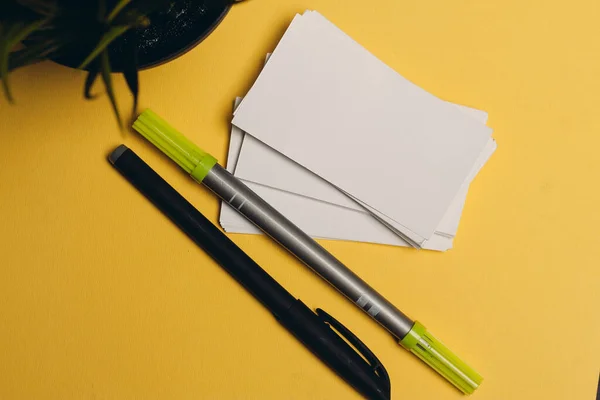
(296, 179)
(418, 151)
(323, 220)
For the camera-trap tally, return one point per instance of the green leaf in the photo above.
(12, 34)
(108, 38)
(118, 8)
(4, 73)
(5, 46)
(31, 54)
(106, 70)
(21, 32)
(90, 79)
(130, 67)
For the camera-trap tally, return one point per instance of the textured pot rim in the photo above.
(181, 51)
(176, 53)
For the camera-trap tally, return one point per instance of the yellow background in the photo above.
(101, 297)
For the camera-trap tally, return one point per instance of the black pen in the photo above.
(367, 375)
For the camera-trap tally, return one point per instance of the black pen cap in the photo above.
(363, 372)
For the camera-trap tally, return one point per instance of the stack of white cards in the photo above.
(348, 149)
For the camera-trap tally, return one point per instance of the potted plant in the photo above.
(103, 36)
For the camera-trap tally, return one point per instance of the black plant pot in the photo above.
(170, 35)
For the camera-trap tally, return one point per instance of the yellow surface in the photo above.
(101, 297)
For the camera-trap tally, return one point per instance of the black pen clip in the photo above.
(362, 348)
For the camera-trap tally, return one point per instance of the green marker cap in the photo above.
(433, 352)
(170, 141)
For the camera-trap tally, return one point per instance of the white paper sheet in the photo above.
(418, 150)
(294, 178)
(320, 219)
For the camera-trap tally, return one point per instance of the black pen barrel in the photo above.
(296, 317)
(226, 253)
(322, 341)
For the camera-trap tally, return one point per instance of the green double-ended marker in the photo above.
(204, 169)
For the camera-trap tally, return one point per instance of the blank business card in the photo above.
(294, 178)
(323, 220)
(328, 104)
